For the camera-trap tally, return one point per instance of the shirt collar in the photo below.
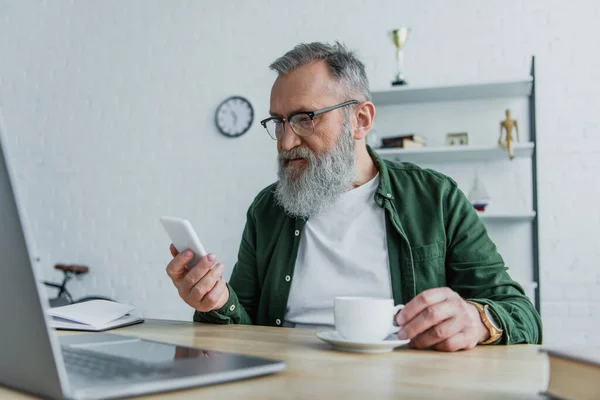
(385, 187)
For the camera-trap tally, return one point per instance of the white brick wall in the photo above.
(109, 114)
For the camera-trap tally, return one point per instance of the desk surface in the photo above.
(314, 370)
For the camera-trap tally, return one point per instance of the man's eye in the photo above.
(303, 121)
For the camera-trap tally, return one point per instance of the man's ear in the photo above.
(364, 116)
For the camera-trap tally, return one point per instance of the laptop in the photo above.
(92, 365)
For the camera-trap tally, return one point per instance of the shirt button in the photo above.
(288, 278)
(388, 195)
(297, 233)
(232, 307)
(278, 321)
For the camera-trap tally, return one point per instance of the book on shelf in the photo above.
(411, 144)
(409, 141)
(574, 372)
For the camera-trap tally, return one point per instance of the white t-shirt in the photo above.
(342, 253)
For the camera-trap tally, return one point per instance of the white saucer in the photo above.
(382, 346)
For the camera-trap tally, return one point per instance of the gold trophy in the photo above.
(399, 37)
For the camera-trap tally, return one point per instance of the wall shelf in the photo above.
(516, 88)
(507, 217)
(444, 154)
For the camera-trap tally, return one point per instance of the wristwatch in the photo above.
(489, 321)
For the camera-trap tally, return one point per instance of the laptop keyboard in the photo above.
(105, 366)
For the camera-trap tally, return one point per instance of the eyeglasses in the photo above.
(302, 123)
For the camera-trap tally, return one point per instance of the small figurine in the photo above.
(508, 124)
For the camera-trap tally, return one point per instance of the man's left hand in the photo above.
(441, 319)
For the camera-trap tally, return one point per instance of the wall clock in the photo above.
(234, 116)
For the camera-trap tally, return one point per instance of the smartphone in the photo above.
(183, 237)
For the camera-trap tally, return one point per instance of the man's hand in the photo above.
(441, 319)
(201, 287)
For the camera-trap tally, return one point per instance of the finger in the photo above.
(211, 299)
(173, 250)
(428, 318)
(422, 301)
(196, 273)
(207, 282)
(177, 267)
(460, 341)
(437, 333)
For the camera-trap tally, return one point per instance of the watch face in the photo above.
(491, 318)
(234, 116)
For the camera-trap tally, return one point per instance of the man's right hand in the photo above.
(201, 286)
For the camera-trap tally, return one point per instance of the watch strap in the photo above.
(495, 333)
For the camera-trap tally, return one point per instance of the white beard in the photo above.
(314, 189)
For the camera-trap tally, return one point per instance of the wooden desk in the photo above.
(314, 370)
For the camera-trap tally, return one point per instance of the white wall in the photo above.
(109, 105)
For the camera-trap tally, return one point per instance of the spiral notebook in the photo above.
(93, 315)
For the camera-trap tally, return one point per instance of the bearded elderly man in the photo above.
(340, 221)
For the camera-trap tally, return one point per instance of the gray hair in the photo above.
(342, 63)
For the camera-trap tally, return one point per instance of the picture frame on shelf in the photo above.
(457, 139)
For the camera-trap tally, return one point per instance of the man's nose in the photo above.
(289, 139)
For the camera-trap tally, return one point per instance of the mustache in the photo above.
(297, 152)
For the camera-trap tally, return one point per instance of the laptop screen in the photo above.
(26, 357)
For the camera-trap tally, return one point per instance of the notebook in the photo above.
(93, 315)
(574, 372)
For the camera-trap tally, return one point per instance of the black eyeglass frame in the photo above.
(310, 114)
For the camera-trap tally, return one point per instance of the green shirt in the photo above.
(435, 239)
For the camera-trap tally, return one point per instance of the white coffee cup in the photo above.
(365, 318)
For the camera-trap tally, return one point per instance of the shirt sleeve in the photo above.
(244, 290)
(476, 271)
